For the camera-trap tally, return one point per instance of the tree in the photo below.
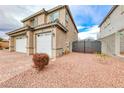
(1, 39)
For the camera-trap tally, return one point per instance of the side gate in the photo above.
(86, 46)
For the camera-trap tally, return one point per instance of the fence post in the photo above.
(84, 46)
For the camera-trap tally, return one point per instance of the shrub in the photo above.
(1, 48)
(40, 60)
(66, 52)
(7, 48)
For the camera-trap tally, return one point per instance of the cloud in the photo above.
(3, 35)
(90, 33)
(89, 14)
(85, 16)
(80, 27)
(11, 16)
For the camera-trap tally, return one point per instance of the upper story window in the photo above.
(67, 17)
(54, 16)
(107, 22)
(34, 22)
(122, 8)
(65, 23)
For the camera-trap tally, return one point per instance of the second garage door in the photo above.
(21, 44)
(44, 43)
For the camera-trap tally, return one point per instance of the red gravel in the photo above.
(73, 70)
(12, 63)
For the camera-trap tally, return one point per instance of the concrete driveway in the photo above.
(72, 70)
(12, 63)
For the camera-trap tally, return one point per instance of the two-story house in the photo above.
(112, 31)
(51, 32)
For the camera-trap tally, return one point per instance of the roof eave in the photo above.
(50, 25)
(35, 14)
(17, 30)
(71, 17)
(109, 13)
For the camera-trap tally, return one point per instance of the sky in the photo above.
(86, 17)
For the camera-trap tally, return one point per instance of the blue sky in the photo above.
(86, 17)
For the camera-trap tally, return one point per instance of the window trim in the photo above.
(107, 22)
(122, 9)
(52, 16)
(34, 22)
(66, 17)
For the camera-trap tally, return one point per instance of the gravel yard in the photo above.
(73, 70)
(12, 63)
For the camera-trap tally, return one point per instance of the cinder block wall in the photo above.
(122, 42)
(4, 44)
(108, 45)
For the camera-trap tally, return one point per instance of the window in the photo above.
(66, 17)
(122, 8)
(65, 23)
(34, 22)
(54, 16)
(107, 22)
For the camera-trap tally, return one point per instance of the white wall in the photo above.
(116, 23)
(108, 45)
(122, 42)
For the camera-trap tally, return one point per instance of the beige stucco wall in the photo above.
(72, 34)
(41, 20)
(30, 42)
(11, 44)
(60, 41)
(64, 41)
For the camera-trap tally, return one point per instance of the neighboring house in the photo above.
(4, 44)
(50, 32)
(112, 31)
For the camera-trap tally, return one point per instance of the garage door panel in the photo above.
(44, 43)
(21, 44)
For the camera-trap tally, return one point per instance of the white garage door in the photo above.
(21, 44)
(44, 43)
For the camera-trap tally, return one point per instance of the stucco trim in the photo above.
(50, 25)
(18, 30)
(23, 29)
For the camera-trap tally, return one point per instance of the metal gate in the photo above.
(86, 46)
